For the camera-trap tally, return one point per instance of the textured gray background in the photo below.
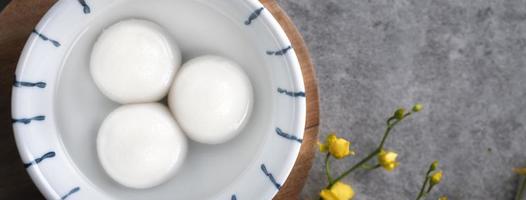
(463, 59)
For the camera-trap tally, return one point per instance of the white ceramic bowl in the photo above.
(57, 109)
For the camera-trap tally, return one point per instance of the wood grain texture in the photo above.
(17, 21)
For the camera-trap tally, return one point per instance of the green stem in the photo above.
(369, 167)
(356, 166)
(522, 187)
(327, 167)
(390, 119)
(430, 187)
(391, 126)
(422, 192)
(374, 153)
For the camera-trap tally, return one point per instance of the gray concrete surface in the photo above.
(463, 59)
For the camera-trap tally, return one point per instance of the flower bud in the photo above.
(399, 114)
(418, 107)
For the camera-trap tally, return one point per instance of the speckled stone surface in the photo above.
(463, 59)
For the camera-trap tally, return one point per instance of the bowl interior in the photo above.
(199, 29)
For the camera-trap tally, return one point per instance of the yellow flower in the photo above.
(520, 171)
(339, 191)
(442, 198)
(337, 147)
(418, 107)
(323, 147)
(436, 178)
(387, 160)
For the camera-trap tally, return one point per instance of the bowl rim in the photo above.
(25, 93)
